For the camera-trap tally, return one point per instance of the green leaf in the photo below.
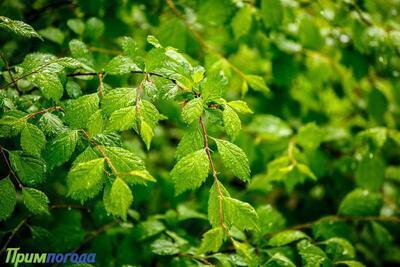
(51, 124)
(311, 255)
(257, 83)
(120, 65)
(8, 198)
(340, 246)
(49, 84)
(118, 198)
(60, 149)
(129, 47)
(234, 159)
(53, 34)
(215, 202)
(272, 13)
(78, 111)
(191, 141)
(232, 122)
(122, 119)
(146, 132)
(240, 214)
(361, 202)
(36, 201)
(370, 173)
(12, 123)
(30, 170)
(164, 247)
(117, 98)
(241, 22)
(85, 179)
(32, 140)
(212, 240)
(76, 25)
(279, 259)
(123, 160)
(270, 220)
(95, 123)
(269, 127)
(142, 176)
(286, 237)
(191, 171)
(192, 110)
(18, 27)
(310, 136)
(304, 169)
(309, 33)
(240, 107)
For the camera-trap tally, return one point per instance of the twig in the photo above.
(2, 149)
(25, 220)
(200, 39)
(32, 115)
(216, 180)
(100, 75)
(9, 70)
(100, 149)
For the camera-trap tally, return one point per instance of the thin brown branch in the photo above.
(27, 74)
(13, 233)
(206, 47)
(216, 180)
(94, 234)
(32, 115)
(9, 70)
(100, 149)
(2, 149)
(25, 221)
(101, 86)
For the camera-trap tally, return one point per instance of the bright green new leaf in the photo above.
(146, 132)
(85, 179)
(95, 124)
(272, 13)
(192, 110)
(123, 160)
(122, 119)
(190, 171)
(117, 98)
(232, 122)
(120, 65)
(257, 83)
(191, 141)
(36, 201)
(8, 198)
(241, 22)
(32, 140)
(240, 214)
(30, 170)
(310, 136)
(118, 198)
(215, 203)
(234, 159)
(240, 107)
(212, 240)
(279, 259)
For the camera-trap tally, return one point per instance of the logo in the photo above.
(15, 257)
